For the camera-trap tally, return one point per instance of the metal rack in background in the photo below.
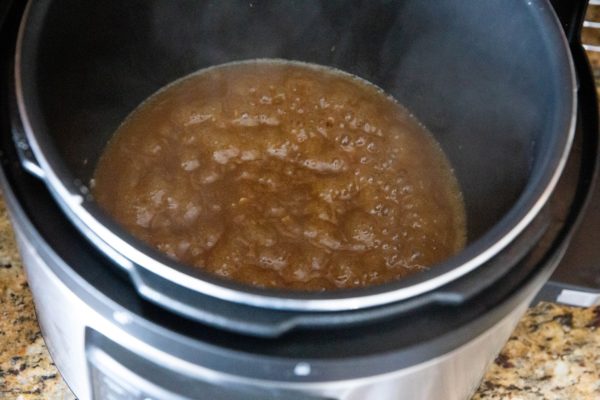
(592, 24)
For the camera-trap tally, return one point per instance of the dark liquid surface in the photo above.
(280, 174)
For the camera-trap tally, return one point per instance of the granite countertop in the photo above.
(26, 369)
(553, 354)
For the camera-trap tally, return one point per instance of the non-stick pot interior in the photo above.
(481, 76)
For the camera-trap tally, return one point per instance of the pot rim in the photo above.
(129, 253)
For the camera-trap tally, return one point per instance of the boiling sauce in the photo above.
(286, 175)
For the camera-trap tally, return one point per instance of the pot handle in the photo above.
(24, 152)
(571, 14)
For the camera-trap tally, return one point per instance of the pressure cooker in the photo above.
(504, 86)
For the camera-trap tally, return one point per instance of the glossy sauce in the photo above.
(286, 175)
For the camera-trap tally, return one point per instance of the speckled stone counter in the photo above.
(554, 354)
(26, 370)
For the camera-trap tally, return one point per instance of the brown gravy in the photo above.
(281, 174)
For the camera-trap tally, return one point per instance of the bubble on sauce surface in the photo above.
(281, 174)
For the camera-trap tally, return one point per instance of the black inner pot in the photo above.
(491, 80)
(480, 76)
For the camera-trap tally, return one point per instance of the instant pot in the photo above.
(505, 88)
